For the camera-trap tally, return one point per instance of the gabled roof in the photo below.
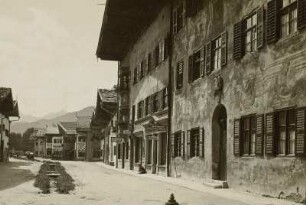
(107, 96)
(68, 127)
(83, 122)
(52, 131)
(8, 106)
(123, 23)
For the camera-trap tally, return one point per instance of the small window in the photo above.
(288, 17)
(249, 135)
(135, 75)
(251, 33)
(217, 53)
(177, 144)
(178, 19)
(195, 142)
(179, 75)
(196, 65)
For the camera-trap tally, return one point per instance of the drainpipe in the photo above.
(170, 98)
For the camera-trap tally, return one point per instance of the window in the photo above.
(251, 33)
(140, 110)
(249, 135)
(150, 60)
(179, 75)
(141, 75)
(196, 65)
(155, 102)
(156, 51)
(286, 129)
(165, 98)
(195, 142)
(178, 19)
(288, 17)
(217, 53)
(147, 103)
(177, 144)
(82, 139)
(135, 75)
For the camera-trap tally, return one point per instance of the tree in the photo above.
(27, 142)
(15, 141)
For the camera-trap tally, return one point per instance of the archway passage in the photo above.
(219, 130)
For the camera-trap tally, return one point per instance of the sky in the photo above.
(47, 54)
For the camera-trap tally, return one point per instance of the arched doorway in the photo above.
(219, 126)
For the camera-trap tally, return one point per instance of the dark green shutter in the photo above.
(270, 135)
(300, 132)
(208, 58)
(183, 144)
(237, 135)
(260, 27)
(202, 60)
(239, 45)
(259, 143)
(224, 49)
(301, 14)
(273, 21)
(188, 144)
(190, 68)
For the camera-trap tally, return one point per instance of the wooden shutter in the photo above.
(273, 21)
(190, 68)
(188, 144)
(160, 100)
(300, 132)
(301, 16)
(237, 135)
(260, 27)
(270, 134)
(167, 47)
(259, 135)
(201, 142)
(172, 145)
(224, 49)
(182, 144)
(202, 61)
(208, 59)
(238, 40)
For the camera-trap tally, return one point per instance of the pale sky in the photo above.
(47, 54)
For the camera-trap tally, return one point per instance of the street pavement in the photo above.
(100, 184)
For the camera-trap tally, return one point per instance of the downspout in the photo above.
(170, 98)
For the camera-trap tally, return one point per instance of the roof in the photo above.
(52, 131)
(8, 106)
(108, 95)
(68, 127)
(83, 121)
(123, 23)
(38, 132)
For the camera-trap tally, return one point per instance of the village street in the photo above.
(97, 183)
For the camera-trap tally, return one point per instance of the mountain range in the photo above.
(28, 121)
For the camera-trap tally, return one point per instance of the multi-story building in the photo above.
(236, 88)
(83, 134)
(49, 134)
(8, 109)
(40, 142)
(105, 111)
(69, 133)
(143, 53)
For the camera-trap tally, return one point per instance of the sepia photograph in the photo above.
(152, 102)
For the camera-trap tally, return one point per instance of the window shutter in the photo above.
(175, 21)
(150, 98)
(270, 134)
(172, 146)
(201, 142)
(238, 40)
(189, 8)
(167, 47)
(259, 135)
(160, 100)
(301, 18)
(202, 58)
(190, 68)
(224, 49)
(260, 27)
(153, 63)
(183, 144)
(300, 132)
(237, 134)
(188, 144)
(273, 21)
(208, 59)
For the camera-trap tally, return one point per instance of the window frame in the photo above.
(195, 142)
(216, 50)
(287, 10)
(247, 145)
(253, 30)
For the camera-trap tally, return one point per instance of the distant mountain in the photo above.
(28, 118)
(54, 115)
(22, 126)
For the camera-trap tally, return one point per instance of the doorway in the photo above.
(219, 142)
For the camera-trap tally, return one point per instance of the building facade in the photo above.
(236, 89)
(8, 109)
(69, 133)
